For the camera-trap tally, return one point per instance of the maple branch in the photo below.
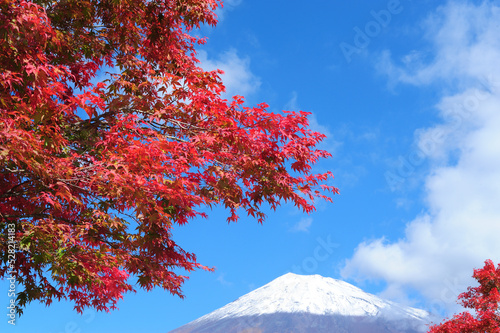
(36, 216)
(15, 194)
(99, 238)
(17, 170)
(69, 183)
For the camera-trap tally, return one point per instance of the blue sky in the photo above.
(409, 95)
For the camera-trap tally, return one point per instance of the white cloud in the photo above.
(237, 78)
(303, 225)
(233, 3)
(222, 280)
(228, 6)
(293, 104)
(460, 226)
(465, 40)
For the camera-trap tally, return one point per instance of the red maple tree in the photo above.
(483, 300)
(97, 167)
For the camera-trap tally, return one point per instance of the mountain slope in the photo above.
(297, 303)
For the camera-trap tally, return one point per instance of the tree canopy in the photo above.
(111, 134)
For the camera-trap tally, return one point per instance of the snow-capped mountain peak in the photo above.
(311, 295)
(314, 294)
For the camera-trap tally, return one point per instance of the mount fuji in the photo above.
(312, 304)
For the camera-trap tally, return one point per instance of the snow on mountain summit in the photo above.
(313, 294)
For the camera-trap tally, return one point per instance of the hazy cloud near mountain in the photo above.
(460, 225)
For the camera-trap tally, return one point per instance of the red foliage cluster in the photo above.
(484, 300)
(97, 167)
